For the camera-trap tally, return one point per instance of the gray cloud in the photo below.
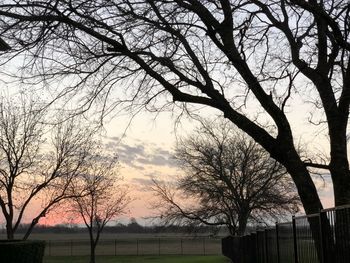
(137, 167)
(138, 149)
(142, 181)
(114, 138)
(129, 154)
(158, 160)
(141, 154)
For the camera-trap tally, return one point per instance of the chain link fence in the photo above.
(138, 246)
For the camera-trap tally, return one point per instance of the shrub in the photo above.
(19, 251)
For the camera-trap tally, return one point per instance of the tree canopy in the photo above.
(231, 55)
(37, 160)
(103, 198)
(230, 180)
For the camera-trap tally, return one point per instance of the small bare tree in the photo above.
(28, 170)
(103, 199)
(229, 178)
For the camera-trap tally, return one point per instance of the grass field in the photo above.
(139, 259)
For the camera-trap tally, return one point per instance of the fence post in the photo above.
(254, 248)
(71, 247)
(266, 247)
(258, 254)
(204, 246)
(49, 247)
(115, 247)
(159, 246)
(295, 244)
(137, 246)
(182, 251)
(277, 243)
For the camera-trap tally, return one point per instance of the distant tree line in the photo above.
(132, 227)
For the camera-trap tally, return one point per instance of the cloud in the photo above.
(142, 181)
(137, 167)
(146, 182)
(137, 150)
(114, 138)
(140, 154)
(129, 154)
(158, 160)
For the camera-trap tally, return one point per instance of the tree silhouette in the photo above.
(102, 199)
(230, 179)
(32, 167)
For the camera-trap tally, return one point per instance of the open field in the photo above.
(130, 244)
(139, 259)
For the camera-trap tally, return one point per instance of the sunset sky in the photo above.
(145, 151)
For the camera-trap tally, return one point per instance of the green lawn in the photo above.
(139, 259)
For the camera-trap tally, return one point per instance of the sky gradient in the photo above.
(145, 149)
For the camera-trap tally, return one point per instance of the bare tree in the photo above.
(229, 55)
(103, 197)
(28, 170)
(229, 179)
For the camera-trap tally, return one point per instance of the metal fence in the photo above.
(140, 246)
(318, 238)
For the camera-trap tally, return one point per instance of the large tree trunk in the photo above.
(339, 164)
(309, 198)
(342, 236)
(242, 223)
(341, 188)
(339, 168)
(333, 241)
(302, 179)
